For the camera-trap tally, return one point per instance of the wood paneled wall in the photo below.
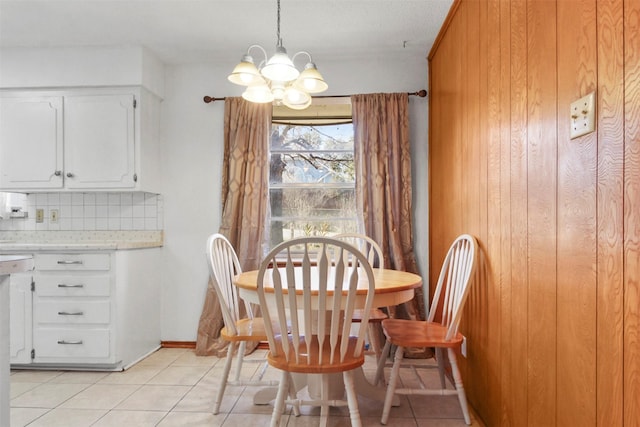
(553, 321)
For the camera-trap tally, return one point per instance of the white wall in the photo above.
(192, 146)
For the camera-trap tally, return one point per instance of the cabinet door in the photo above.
(31, 142)
(99, 141)
(20, 341)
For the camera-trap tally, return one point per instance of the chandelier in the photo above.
(277, 80)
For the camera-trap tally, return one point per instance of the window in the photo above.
(312, 175)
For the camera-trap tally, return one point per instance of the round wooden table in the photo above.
(392, 288)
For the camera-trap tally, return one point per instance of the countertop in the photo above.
(12, 242)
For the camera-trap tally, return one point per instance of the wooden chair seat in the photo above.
(412, 333)
(314, 361)
(247, 330)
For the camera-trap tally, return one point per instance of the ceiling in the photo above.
(190, 31)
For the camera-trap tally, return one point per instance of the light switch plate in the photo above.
(583, 114)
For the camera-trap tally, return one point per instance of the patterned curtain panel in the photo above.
(244, 203)
(383, 181)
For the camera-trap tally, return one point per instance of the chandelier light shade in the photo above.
(276, 79)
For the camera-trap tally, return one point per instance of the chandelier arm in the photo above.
(264, 52)
(302, 52)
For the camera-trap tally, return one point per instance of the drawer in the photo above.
(71, 312)
(69, 343)
(72, 261)
(72, 285)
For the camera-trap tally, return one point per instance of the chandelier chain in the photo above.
(279, 40)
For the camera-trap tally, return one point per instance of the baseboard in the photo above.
(192, 344)
(178, 344)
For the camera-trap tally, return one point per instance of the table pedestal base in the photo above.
(363, 388)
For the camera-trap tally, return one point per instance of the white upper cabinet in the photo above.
(80, 139)
(31, 142)
(99, 141)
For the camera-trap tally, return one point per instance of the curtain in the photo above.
(244, 203)
(383, 181)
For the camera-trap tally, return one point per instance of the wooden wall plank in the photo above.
(474, 322)
(632, 213)
(577, 172)
(541, 183)
(507, 370)
(518, 178)
(489, 408)
(610, 119)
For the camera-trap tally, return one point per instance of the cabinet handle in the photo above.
(70, 262)
(64, 285)
(65, 342)
(57, 173)
(68, 313)
(69, 175)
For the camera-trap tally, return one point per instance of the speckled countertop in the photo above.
(16, 241)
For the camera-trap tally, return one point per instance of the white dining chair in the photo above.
(310, 285)
(442, 334)
(374, 255)
(237, 331)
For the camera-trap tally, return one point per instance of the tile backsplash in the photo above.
(87, 212)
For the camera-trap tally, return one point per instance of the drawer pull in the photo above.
(68, 313)
(70, 262)
(65, 342)
(64, 285)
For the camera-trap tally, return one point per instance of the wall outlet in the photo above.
(53, 216)
(39, 215)
(463, 347)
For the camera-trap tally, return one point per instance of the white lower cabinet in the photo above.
(20, 318)
(86, 310)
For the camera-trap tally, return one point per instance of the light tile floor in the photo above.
(173, 387)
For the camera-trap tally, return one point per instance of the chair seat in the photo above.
(415, 333)
(248, 330)
(375, 315)
(310, 362)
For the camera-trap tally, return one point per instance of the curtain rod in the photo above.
(421, 93)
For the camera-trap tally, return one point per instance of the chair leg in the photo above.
(278, 406)
(391, 386)
(440, 360)
(293, 396)
(225, 376)
(458, 384)
(241, 350)
(382, 361)
(352, 399)
(375, 338)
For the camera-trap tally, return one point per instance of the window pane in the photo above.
(312, 168)
(311, 212)
(317, 137)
